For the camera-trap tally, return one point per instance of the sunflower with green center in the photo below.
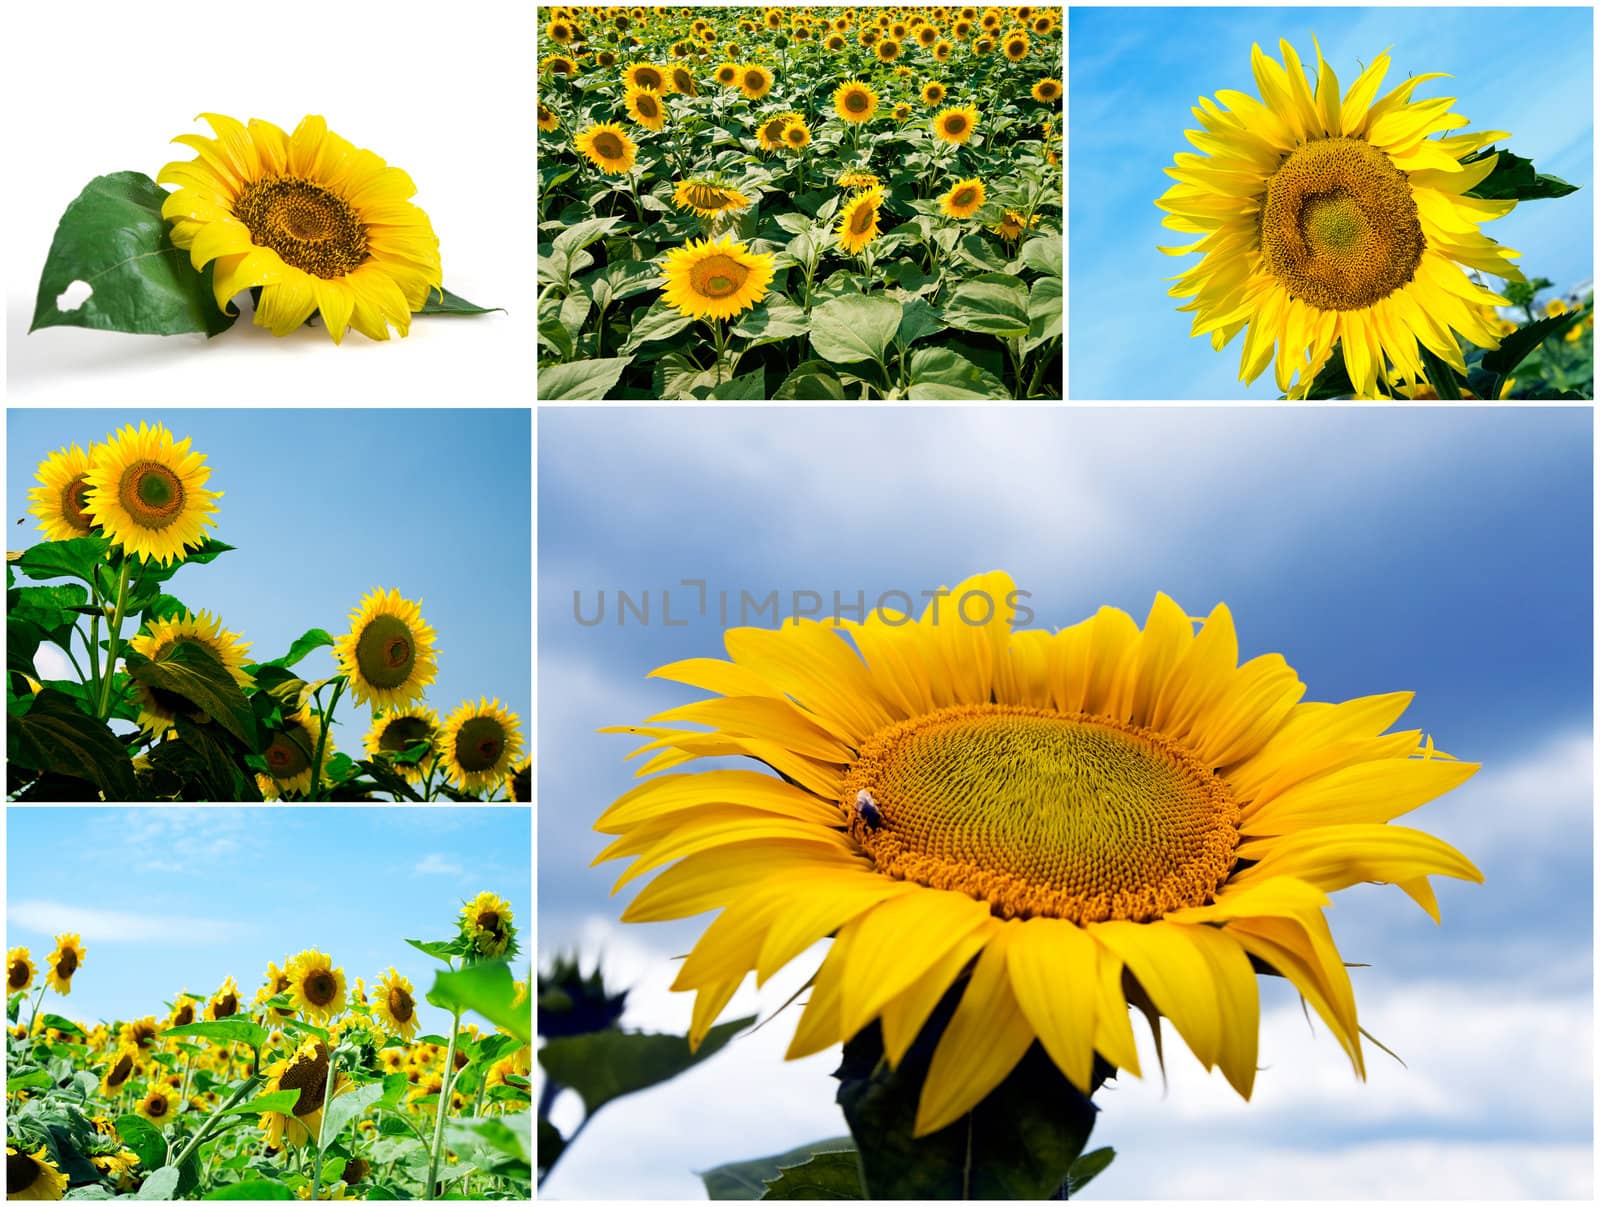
(320, 225)
(64, 963)
(1325, 221)
(147, 493)
(855, 102)
(19, 970)
(307, 1071)
(1053, 821)
(389, 653)
(481, 741)
(489, 927)
(608, 147)
(159, 709)
(159, 1104)
(644, 105)
(33, 1175)
(315, 986)
(289, 756)
(123, 1066)
(955, 124)
(399, 730)
(394, 1005)
(708, 198)
(61, 499)
(964, 199)
(715, 280)
(858, 220)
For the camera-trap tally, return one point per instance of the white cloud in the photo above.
(1543, 799)
(117, 926)
(434, 864)
(52, 663)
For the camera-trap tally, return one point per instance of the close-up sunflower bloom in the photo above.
(645, 106)
(318, 224)
(955, 124)
(61, 499)
(316, 987)
(159, 1105)
(796, 136)
(1058, 823)
(855, 101)
(858, 220)
(389, 654)
(307, 1071)
(64, 963)
(147, 493)
(754, 82)
(481, 741)
(608, 147)
(1326, 220)
(33, 1175)
(964, 199)
(707, 279)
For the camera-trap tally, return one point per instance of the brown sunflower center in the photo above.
(309, 226)
(404, 732)
(356, 1171)
(718, 276)
(479, 744)
(184, 1015)
(647, 104)
(1043, 814)
(155, 1105)
(226, 1006)
(309, 1075)
(955, 123)
(962, 198)
(856, 101)
(861, 221)
(121, 1071)
(75, 504)
(287, 756)
(754, 81)
(1339, 227)
(67, 962)
(647, 77)
(400, 1004)
(489, 920)
(320, 987)
(608, 145)
(385, 652)
(22, 1171)
(151, 494)
(17, 974)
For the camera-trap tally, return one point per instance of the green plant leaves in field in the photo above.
(223, 1031)
(311, 639)
(836, 1174)
(281, 1101)
(256, 1189)
(54, 732)
(998, 306)
(486, 989)
(584, 380)
(347, 1107)
(113, 239)
(1517, 346)
(944, 373)
(811, 380)
(144, 1138)
(602, 1066)
(855, 328)
(76, 558)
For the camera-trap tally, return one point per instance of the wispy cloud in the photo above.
(435, 864)
(117, 926)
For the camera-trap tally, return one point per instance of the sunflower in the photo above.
(645, 107)
(933, 93)
(33, 1175)
(1326, 223)
(927, 35)
(858, 220)
(963, 200)
(855, 101)
(159, 1104)
(182, 1010)
(1043, 24)
(755, 82)
(559, 64)
(319, 224)
(769, 133)
(397, 731)
(681, 80)
(1011, 226)
(1080, 816)
(290, 753)
(147, 493)
(604, 58)
(519, 782)
(955, 124)
(394, 1006)
(389, 652)
(276, 983)
(1047, 91)
(224, 1003)
(307, 1071)
(489, 926)
(608, 147)
(714, 280)
(480, 742)
(941, 50)
(19, 970)
(140, 1034)
(64, 963)
(983, 46)
(561, 31)
(158, 709)
(119, 1168)
(728, 75)
(124, 1065)
(707, 198)
(902, 112)
(61, 498)
(887, 50)
(796, 136)
(315, 986)
(1016, 46)
(857, 180)
(547, 119)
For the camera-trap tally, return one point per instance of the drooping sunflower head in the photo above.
(646, 107)
(754, 81)
(855, 101)
(854, 179)
(316, 987)
(933, 93)
(183, 1011)
(901, 112)
(120, 1168)
(307, 1070)
(275, 983)
(147, 493)
(489, 927)
(319, 224)
(608, 147)
(140, 1034)
(708, 198)
(61, 499)
(480, 743)
(158, 709)
(159, 1104)
(547, 119)
(64, 963)
(1044, 822)
(955, 124)
(858, 220)
(394, 1006)
(33, 1175)
(1330, 221)
(769, 133)
(715, 280)
(964, 199)
(400, 730)
(123, 1065)
(559, 65)
(19, 970)
(1047, 91)
(224, 1003)
(1011, 227)
(389, 653)
(290, 753)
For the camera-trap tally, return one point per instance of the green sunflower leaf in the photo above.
(486, 988)
(190, 670)
(748, 1179)
(56, 735)
(449, 303)
(854, 328)
(144, 1138)
(53, 609)
(814, 380)
(224, 1031)
(659, 322)
(346, 1107)
(775, 319)
(996, 306)
(1514, 179)
(258, 1189)
(23, 638)
(281, 1101)
(603, 1066)
(747, 387)
(1088, 1167)
(940, 374)
(56, 1023)
(311, 639)
(76, 558)
(113, 239)
(384, 775)
(1517, 346)
(1441, 376)
(830, 1175)
(583, 381)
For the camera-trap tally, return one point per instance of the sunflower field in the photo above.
(317, 1087)
(210, 722)
(800, 203)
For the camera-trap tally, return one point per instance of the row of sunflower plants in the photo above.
(800, 203)
(122, 518)
(318, 1089)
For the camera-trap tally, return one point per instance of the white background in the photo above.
(441, 90)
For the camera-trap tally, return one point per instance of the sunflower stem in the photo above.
(246, 1087)
(444, 1099)
(322, 1119)
(34, 1017)
(94, 648)
(115, 637)
(326, 719)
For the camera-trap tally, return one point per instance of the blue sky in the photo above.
(1136, 73)
(1443, 550)
(325, 506)
(172, 898)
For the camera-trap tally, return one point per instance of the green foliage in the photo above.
(487, 989)
(52, 732)
(605, 1065)
(752, 1179)
(1088, 1167)
(1514, 179)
